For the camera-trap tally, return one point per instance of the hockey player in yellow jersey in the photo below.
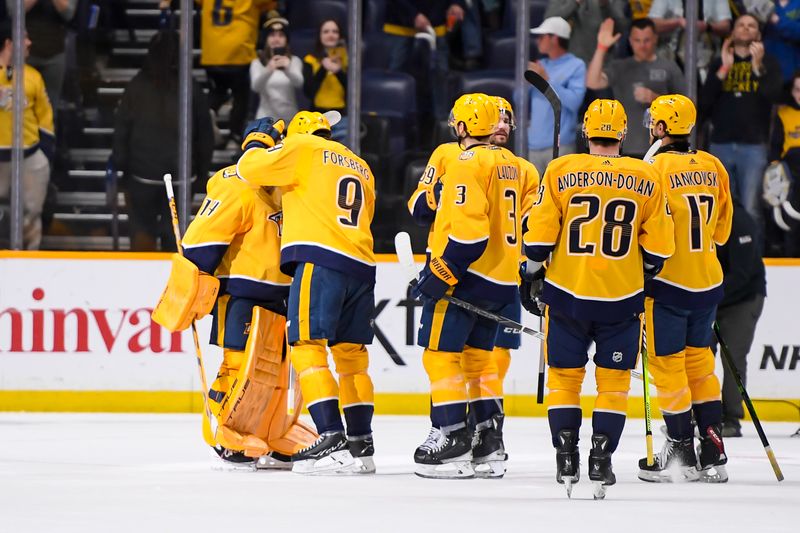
(235, 237)
(473, 255)
(328, 205)
(682, 299)
(603, 221)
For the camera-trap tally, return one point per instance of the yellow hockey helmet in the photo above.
(311, 122)
(676, 111)
(478, 112)
(503, 106)
(605, 119)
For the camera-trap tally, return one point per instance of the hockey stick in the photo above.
(648, 425)
(728, 360)
(203, 383)
(547, 91)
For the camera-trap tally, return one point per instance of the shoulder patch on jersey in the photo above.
(468, 154)
(229, 173)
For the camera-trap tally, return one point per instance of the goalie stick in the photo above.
(552, 98)
(203, 383)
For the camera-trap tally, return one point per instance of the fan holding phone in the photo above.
(276, 73)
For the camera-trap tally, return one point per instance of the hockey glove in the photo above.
(435, 279)
(531, 286)
(432, 194)
(651, 271)
(263, 132)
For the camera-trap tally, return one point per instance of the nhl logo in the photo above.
(617, 357)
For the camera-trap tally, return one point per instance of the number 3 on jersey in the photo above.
(350, 198)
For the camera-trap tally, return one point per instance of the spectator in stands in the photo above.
(46, 22)
(738, 95)
(276, 73)
(745, 286)
(635, 81)
(567, 75)
(228, 35)
(714, 23)
(146, 134)
(325, 75)
(785, 147)
(37, 138)
(782, 36)
(585, 17)
(404, 19)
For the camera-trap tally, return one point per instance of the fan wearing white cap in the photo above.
(566, 74)
(276, 74)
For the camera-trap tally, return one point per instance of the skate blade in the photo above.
(714, 474)
(265, 462)
(678, 474)
(568, 482)
(598, 490)
(361, 465)
(459, 469)
(490, 469)
(328, 465)
(226, 466)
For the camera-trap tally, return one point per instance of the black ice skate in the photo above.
(274, 461)
(711, 455)
(600, 471)
(568, 469)
(328, 455)
(488, 451)
(449, 457)
(362, 448)
(234, 460)
(430, 441)
(676, 462)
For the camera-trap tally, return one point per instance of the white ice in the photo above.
(152, 473)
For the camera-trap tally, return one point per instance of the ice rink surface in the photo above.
(152, 473)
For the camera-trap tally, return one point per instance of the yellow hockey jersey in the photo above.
(599, 216)
(529, 189)
(477, 229)
(434, 170)
(37, 115)
(698, 192)
(229, 30)
(328, 202)
(236, 235)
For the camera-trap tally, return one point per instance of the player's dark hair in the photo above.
(643, 24)
(319, 49)
(604, 141)
(161, 63)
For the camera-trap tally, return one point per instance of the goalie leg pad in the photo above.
(285, 433)
(189, 295)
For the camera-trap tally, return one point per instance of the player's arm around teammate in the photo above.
(682, 299)
(602, 219)
(473, 245)
(328, 203)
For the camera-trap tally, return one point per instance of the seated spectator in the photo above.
(785, 147)
(46, 21)
(713, 24)
(38, 140)
(737, 96)
(782, 37)
(567, 75)
(146, 135)
(276, 73)
(228, 35)
(325, 75)
(635, 81)
(585, 17)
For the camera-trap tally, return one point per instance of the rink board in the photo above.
(76, 335)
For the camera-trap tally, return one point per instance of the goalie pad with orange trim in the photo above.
(189, 295)
(253, 416)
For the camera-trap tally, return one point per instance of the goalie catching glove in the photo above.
(264, 132)
(436, 279)
(531, 286)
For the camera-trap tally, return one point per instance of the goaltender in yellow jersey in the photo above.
(328, 205)
(235, 237)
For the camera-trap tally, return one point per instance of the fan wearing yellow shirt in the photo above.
(228, 35)
(328, 195)
(602, 220)
(474, 246)
(236, 237)
(682, 299)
